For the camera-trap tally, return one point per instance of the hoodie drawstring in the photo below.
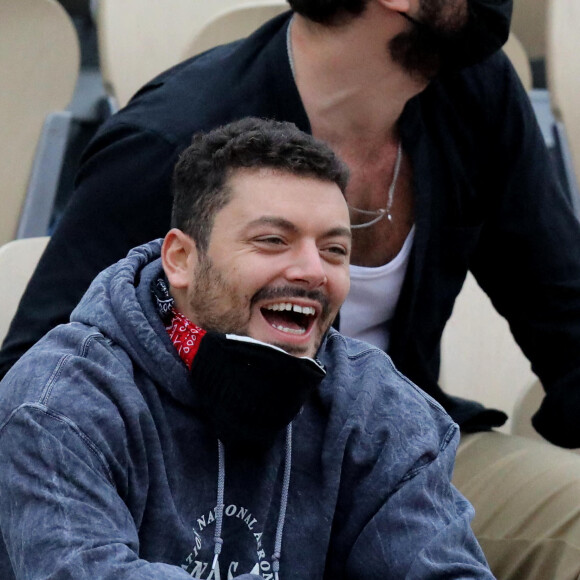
(219, 512)
(283, 503)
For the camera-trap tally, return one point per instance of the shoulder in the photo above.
(487, 82)
(377, 424)
(73, 374)
(367, 388)
(485, 129)
(487, 97)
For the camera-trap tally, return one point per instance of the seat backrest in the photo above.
(528, 403)
(139, 39)
(529, 25)
(18, 260)
(518, 56)
(39, 63)
(563, 68)
(479, 357)
(234, 23)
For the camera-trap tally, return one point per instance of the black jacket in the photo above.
(485, 197)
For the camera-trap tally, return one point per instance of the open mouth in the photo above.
(289, 317)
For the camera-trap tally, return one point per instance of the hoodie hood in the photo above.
(118, 303)
(248, 390)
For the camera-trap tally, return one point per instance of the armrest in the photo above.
(45, 175)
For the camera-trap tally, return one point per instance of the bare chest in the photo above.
(368, 190)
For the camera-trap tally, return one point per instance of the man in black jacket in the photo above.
(449, 174)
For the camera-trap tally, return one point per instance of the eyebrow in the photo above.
(287, 225)
(339, 231)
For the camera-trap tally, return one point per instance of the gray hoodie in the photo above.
(110, 471)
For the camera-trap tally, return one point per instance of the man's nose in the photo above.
(307, 267)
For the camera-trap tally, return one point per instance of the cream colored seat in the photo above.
(234, 23)
(563, 68)
(139, 39)
(529, 25)
(518, 56)
(480, 359)
(18, 260)
(528, 402)
(39, 61)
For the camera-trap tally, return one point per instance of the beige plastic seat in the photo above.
(479, 357)
(18, 260)
(138, 39)
(527, 404)
(529, 25)
(518, 56)
(563, 69)
(39, 62)
(234, 23)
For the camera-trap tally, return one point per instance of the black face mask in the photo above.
(250, 390)
(486, 31)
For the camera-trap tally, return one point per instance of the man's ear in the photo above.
(397, 5)
(179, 257)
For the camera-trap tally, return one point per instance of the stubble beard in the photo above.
(206, 301)
(233, 317)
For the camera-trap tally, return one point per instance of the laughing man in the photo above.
(200, 418)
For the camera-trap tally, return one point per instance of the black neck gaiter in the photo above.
(249, 390)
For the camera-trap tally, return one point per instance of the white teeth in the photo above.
(290, 330)
(308, 310)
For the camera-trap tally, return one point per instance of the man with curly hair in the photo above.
(449, 174)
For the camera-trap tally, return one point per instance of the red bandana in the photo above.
(185, 336)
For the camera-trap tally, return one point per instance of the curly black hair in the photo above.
(200, 176)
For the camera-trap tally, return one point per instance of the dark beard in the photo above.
(419, 50)
(416, 52)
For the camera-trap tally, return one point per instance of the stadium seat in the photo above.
(18, 260)
(39, 62)
(138, 39)
(234, 23)
(563, 69)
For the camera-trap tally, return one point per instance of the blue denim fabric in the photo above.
(109, 470)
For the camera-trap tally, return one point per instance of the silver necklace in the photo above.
(289, 48)
(378, 214)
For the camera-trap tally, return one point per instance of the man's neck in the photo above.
(350, 87)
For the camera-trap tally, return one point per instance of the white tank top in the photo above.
(374, 293)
